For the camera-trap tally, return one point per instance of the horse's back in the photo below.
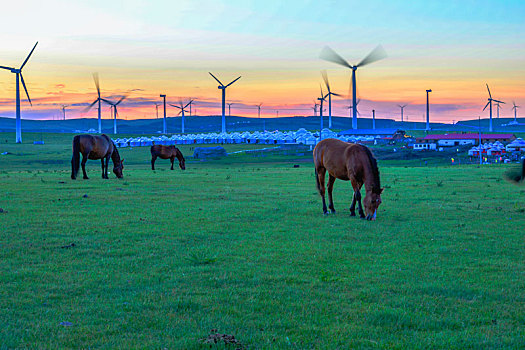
(163, 151)
(96, 146)
(341, 159)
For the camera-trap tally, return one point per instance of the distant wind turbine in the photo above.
(99, 100)
(375, 55)
(259, 110)
(115, 111)
(515, 108)
(182, 110)
(351, 107)
(330, 93)
(490, 99)
(19, 76)
(229, 109)
(223, 88)
(315, 108)
(157, 109)
(64, 110)
(402, 108)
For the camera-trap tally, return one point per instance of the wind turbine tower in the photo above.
(259, 110)
(490, 99)
(229, 109)
(223, 88)
(20, 77)
(428, 112)
(375, 55)
(164, 122)
(321, 100)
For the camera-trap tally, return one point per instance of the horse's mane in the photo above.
(375, 171)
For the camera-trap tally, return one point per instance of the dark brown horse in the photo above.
(95, 147)
(167, 152)
(348, 161)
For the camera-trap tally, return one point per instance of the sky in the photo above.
(141, 49)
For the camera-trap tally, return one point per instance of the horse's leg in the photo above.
(172, 159)
(352, 207)
(358, 197)
(103, 167)
(107, 165)
(320, 183)
(153, 158)
(84, 160)
(331, 181)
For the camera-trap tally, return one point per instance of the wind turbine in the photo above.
(497, 105)
(490, 99)
(99, 100)
(157, 109)
(64, 110)
(515, 108)
(229, 109)
(321, 100)
(351, 107)
(115, 111)
(19, 77)
(375, 55)
(402, 108)
(182, 110)
(223, 88)
(330, 93)
(315, 108)
(259, 110)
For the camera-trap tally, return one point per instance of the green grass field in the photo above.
(240, 245)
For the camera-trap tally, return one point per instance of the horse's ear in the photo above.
(381, 190)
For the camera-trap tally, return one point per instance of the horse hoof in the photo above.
(85, 178)
(332, 211)
(352, 214)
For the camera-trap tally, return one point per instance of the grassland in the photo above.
(240, 245)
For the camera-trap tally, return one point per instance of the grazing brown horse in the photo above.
(95, 147)
(348, 161)
(167, 152)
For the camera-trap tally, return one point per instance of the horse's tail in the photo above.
(75, 160)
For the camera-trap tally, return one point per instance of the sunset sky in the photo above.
(151, 47)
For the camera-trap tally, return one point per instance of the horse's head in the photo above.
(371, 202)
(182, 161)
(117, 169)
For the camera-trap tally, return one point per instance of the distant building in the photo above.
(460, 139)
(372, 132)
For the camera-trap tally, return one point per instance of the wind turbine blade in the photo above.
(357, 102)
(233, 81)
(23, 64)
(179, 113)
(375, 55)
(89, 107)
(216, 79)
(330, 55)
(498, 101)
(486, 105)
(179, 107)
(489, 90)
(321, 90)
(97, 83)
(8, 68)
(187, 104)
(325, 78)
(24, 85)
(121, 99)
(338, 95)
(107, 101)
